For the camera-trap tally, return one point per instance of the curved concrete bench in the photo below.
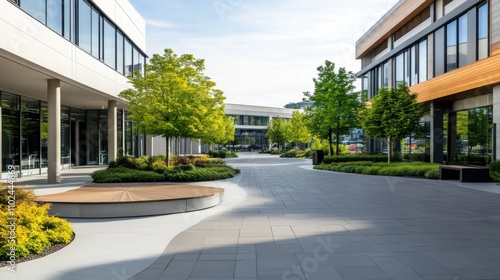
(131, 200)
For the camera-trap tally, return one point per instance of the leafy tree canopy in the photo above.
(393, 114)
(335, 106)
(175, 98)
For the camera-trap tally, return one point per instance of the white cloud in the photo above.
(266, 53)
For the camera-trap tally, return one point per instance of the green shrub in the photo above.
(371, 170)
(494, 176)
(222, 154)
(159, 166)
(35, 230)
(495, 166)
(143, 163)
(122, 174)
(432, 174)
(21, 194)
(348, 158)
(184, 173)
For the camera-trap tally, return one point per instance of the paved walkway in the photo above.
(301, 224)
(282, 220)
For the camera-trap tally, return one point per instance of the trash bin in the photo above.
(318, 157)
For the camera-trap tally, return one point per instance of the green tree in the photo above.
(478, 128)
(277, 131)
(335, 106)
(297, 130)
(174, 98)
(393, 114)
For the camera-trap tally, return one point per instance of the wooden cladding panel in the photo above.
(482, 73)
(400, 17)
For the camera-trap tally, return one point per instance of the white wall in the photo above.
(30, 43)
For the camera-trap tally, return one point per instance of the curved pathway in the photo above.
(296, 223)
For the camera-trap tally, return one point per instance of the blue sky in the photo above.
(261, 52)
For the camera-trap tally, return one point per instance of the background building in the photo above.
(447, 51)
(250, 131)
(62, 66)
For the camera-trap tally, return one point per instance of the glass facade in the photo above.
(245, 139)
(451, 46)
(84, 135)
(250, 120)
(471, 139)
(81, 22)
(482, 32)
(460, 41)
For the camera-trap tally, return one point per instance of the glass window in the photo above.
(141, 63)
(55, 15)
(128, 58)
(413, 66)
(483, 30)
(451, 46)
(67, 19)
(109, 44)
(379, 78)
(399, 69)
(96, 18)
(422, 61)
(137, 60)
(36, 8)
(386, 75)
(10, 101)
(407, 66)
(119, 52)
(462, 41)
(84, 26)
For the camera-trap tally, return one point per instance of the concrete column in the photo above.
(496, 121)
(54, 137)
(149, 145)
(112, 131)
(436, 133)
(452, 137)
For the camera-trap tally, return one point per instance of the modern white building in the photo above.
(62, 65)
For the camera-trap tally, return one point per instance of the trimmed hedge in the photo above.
(350, 158)
(222, 154)
(415, 169)
(299, 154)
(205, 171)
(35, 230)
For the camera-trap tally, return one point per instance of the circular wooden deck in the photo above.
(131, 200)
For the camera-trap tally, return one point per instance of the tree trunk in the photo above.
(389, 149)
(330, 132)
(337, 135)
(409, 151)
(167, 152)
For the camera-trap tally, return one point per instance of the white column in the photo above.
(112, 131)
(54, 137)
(149, 145)
(496, 121)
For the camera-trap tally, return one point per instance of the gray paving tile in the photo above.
(213, 269)
(245, 269)
(293, 218)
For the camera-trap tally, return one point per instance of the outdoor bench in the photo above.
(464, 173)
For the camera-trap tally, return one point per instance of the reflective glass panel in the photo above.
(55, 15)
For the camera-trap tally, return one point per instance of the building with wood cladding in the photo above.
(447, 51)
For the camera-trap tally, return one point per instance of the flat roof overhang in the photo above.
(19, 76)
